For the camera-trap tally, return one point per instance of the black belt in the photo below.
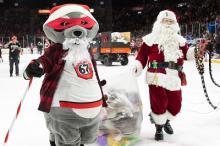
(170, 65)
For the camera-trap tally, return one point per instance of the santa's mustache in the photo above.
(159, 28)
(168, 29)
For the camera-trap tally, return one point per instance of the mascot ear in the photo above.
(54, 35)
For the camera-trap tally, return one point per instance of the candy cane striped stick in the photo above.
(17, 113)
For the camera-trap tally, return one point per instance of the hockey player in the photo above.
(39, 47)
(70, 93)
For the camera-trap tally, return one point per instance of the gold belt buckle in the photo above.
(171, 65)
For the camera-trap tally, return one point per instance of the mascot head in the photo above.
(70, 21)
(73, 26)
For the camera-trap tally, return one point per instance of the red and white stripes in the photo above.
(17, 113)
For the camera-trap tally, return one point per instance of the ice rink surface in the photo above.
(196, 125)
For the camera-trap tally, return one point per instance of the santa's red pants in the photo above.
(163, 100)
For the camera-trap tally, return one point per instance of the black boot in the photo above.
(82, 145)
(167, 127)
(159, 132)
(52, 143)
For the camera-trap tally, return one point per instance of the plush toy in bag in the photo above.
(121, 119)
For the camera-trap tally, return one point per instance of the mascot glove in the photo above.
(33, 70)
(102, 82)
(136, 68)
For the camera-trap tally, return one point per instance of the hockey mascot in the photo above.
(163, 52)
(70, 94)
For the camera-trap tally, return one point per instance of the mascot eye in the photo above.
(64, 23)
(84, 22)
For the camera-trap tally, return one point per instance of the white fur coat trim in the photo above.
(190, 55)
(150, 39)
(170, 116)
(159, 119)
(137, 68)
(169, 81)
(162, 118)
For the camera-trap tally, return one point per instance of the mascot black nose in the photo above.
(77, 33)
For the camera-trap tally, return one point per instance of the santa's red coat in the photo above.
(165, 93)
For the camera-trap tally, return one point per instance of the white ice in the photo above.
(196, 125)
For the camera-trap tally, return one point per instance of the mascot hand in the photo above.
(33, 70)
(136, 68)
(102, 82)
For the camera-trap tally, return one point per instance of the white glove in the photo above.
(136, 68)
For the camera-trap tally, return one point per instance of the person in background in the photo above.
(14, 55)
(32, 48)
(40, 47)
(1, 60)
(217, 39)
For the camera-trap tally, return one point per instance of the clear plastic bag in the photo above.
(121, 120)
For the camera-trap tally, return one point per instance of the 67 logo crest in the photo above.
(84, 70)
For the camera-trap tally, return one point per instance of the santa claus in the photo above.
(70, 94)
(163, 52)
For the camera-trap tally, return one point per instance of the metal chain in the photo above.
(201, 70)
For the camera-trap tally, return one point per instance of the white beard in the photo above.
(167, 40)
(78, 50)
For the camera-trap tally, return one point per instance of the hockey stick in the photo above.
(17, 113)
(101, 83)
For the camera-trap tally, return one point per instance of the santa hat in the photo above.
(166, 14)
(65, 16)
